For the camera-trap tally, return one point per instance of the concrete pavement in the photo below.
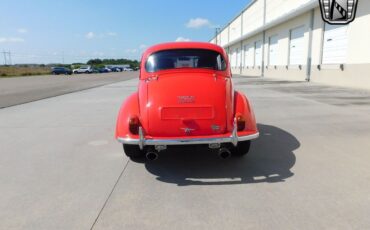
(20, 90)
(61, 168)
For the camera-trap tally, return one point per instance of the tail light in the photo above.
(240, 122)
(134, 124)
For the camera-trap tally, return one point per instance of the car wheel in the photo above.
(242, 148)
(133, 151)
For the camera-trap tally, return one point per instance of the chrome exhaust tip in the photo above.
(224, 153)
(152, 156)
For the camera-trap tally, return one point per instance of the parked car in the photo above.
(61, 70)
(83, 69)
(127, 69)
(185, 97)
(103, 70)
(116, 69)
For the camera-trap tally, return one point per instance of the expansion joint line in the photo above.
(110, 194)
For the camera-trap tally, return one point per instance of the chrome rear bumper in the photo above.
(234, 139)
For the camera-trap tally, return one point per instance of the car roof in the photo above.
(180, 45)
(183, 45)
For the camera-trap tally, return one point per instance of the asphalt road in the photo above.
(20, 90)
(61, 168)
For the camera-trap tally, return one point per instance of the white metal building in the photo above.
(288, 39)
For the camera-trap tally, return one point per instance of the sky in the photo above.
(44, 31)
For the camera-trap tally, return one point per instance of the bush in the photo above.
(14, 71)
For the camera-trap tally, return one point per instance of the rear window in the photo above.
(185, 58)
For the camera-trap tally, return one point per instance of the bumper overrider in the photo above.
(142, 141)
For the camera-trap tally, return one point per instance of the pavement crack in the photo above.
(110, 194)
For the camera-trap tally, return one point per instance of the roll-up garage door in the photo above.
(297, 47)
(335, 44)
(273, 46)
(233, 58)
(238, 57)
(248, 58)
(258, 53)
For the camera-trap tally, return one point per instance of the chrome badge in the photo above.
(338, 12)
(185, 99)
(215, 128)
(188, 130)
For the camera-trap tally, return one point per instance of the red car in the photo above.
(185, 97)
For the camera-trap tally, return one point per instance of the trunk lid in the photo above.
(187, 104)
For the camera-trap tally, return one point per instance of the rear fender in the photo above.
(242, 106)
(129, 108)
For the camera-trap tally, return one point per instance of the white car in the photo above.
(83, 69)
(127, 69)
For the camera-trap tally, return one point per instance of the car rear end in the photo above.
(186, 97)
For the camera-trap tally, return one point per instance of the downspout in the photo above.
(263, 40)
(241, 44)
(228, 33)
(220, 33)
(309, 51)
(216, 36)
(228, 41)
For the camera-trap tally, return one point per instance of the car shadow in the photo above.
(270, 160)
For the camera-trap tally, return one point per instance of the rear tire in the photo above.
(133, 151)
(242, 149)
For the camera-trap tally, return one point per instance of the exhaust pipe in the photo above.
(152, 156)
(224, 153)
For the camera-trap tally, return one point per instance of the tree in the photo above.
(95, 62)
(99, 62)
